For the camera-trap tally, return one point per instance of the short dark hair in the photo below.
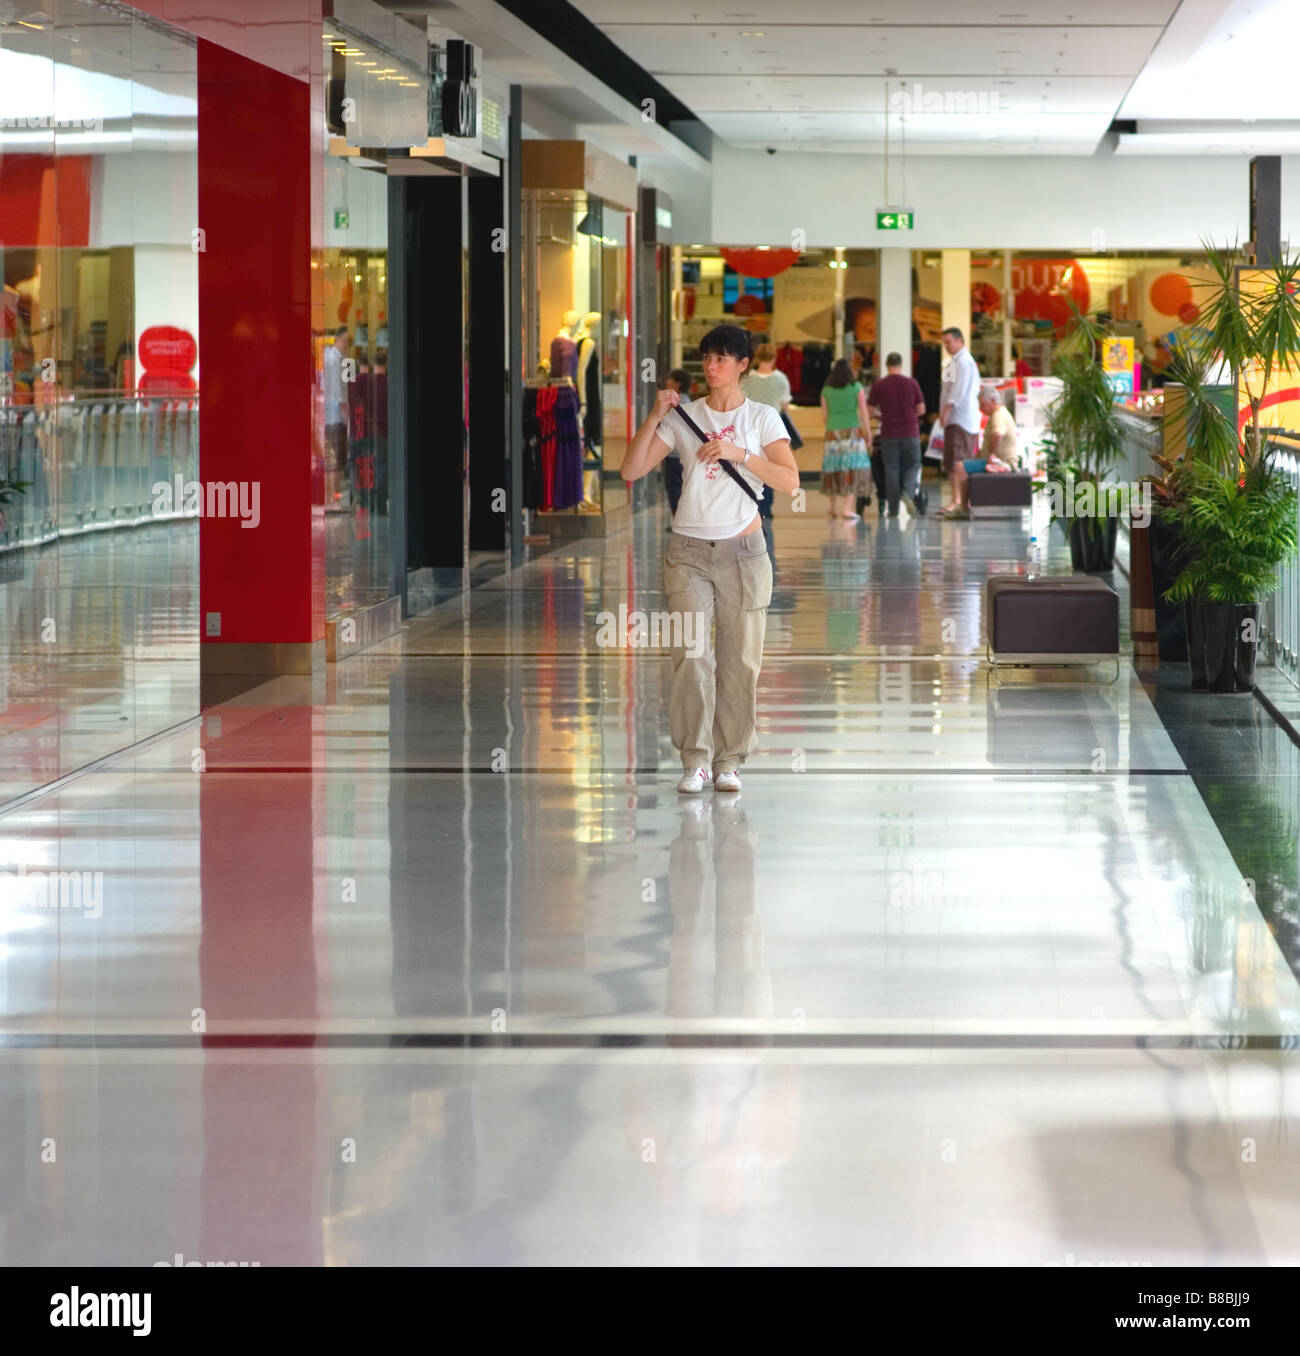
(955, 332)
(728, 341)
(342, 329)
(894, 360)
(682, 377)
(841, 373)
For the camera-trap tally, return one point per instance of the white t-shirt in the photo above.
(964, 391)
(712, 505)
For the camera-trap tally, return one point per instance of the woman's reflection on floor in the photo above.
(715, 953)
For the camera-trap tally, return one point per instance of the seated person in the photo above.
(998, 444)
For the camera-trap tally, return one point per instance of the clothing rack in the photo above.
(553, 448)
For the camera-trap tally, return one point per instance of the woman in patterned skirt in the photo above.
(846, 461)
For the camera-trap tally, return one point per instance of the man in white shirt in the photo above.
(959, 415)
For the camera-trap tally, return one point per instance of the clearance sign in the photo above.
(1280, 407)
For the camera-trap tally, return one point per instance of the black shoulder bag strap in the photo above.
(727, 466)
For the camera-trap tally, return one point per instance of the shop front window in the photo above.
(575, 400)
(1148, 297)
(352, 369)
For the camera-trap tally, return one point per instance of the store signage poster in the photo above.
(1117, 361)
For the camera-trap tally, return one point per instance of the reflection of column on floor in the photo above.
(257, 962)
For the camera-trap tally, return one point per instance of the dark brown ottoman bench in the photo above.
(1001, 490)
(1051, 619)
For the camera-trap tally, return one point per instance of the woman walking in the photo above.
(846, 461)
(717, 567)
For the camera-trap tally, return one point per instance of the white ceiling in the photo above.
(992, 77)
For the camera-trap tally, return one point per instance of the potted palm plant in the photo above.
(1196, 429)
(1235, 533)
(1088, 443)
(1235, 515)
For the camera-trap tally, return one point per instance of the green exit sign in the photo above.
(340, 219)
(894, 221)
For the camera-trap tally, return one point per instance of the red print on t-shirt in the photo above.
(727, 434)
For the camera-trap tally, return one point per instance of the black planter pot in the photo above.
(1231, 640)
(1166, 565)
(1092, 544)
(1076, 545)
(1194, 623)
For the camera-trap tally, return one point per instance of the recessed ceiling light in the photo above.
(759, 34)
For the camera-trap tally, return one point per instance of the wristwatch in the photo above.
(745, 459)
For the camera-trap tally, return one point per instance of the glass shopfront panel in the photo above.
(575, 403)
(352, 368)
(99, 388)
(352, 372)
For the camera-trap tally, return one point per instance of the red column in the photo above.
(260, 197)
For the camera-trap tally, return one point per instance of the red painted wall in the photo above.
(259, 195)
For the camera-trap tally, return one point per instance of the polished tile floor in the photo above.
(427, 962)
(99, 648)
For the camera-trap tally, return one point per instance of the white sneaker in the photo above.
(727, 781)
(692, 783)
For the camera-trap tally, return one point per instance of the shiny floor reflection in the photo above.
(99, 648)
(652, 1157)
(989, 952)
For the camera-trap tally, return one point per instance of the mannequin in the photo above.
(564, 348)
(589, 381)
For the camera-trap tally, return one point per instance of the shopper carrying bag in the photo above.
(717, 568)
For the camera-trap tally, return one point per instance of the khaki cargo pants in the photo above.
(712, 702)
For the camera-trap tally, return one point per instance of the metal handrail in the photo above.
(91, 461)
